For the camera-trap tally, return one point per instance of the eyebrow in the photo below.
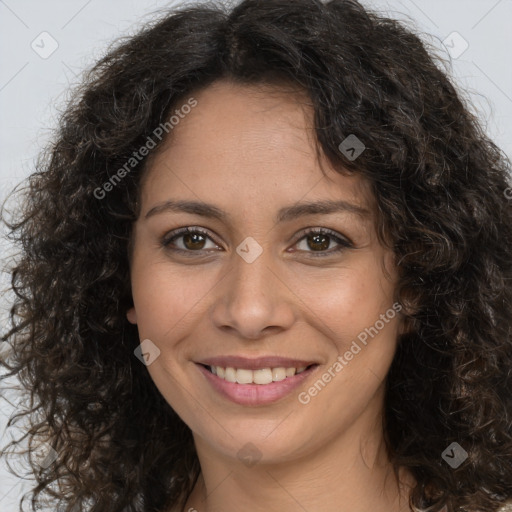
(324, 207)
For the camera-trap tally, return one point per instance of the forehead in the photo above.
(247, 143)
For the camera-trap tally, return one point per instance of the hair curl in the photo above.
(438, 183)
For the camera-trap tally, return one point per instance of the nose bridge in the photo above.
(252, 298)
(251, 270)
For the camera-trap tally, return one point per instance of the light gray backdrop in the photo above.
(46, 44)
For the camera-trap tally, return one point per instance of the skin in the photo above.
(251, 151)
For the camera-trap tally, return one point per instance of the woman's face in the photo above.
(255, 289)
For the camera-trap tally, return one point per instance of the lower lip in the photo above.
(255, 394)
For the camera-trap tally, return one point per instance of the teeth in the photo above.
(230, 375)
(262, 376)
(278, 374)
(244, 376)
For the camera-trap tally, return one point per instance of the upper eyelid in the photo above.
(330, 232)
(176, 233)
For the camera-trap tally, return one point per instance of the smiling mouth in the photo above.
(261, 376)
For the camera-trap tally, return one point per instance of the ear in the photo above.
(131, 315)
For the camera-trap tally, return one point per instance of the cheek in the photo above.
(355, 310)
(350, 299)
(166, 296)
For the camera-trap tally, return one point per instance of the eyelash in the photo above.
(343, 243)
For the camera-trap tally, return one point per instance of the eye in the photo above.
(190, 239)
(317, 241)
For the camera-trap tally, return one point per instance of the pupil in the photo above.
(320, 242)
(193, 240)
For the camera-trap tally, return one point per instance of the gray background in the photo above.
(33, 82)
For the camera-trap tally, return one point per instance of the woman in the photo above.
(266, 266)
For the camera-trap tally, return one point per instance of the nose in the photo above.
(253, 300)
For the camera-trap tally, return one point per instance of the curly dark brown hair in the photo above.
(439, 184)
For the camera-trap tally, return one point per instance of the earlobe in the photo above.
(131, 315)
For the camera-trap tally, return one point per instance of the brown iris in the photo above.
(193, 240)
(320, 242)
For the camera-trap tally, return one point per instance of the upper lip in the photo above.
(255, 363)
